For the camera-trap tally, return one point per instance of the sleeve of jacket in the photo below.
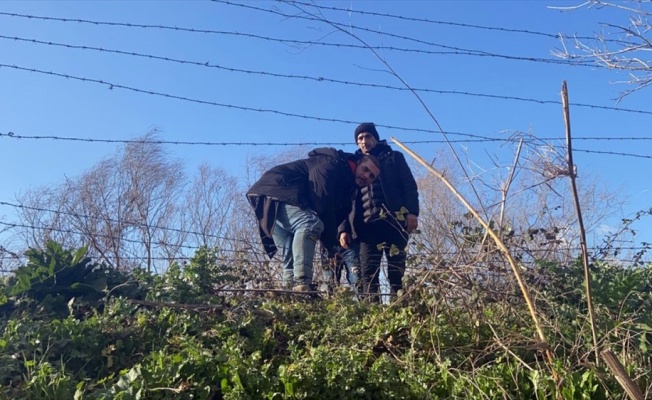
(345, 226)
(408, 184)
(324, 201)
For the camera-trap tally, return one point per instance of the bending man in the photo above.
(303, 201)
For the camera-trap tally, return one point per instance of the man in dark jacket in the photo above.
(303, 201)
(383, 215)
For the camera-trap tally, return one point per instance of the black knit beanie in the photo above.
(368, 127)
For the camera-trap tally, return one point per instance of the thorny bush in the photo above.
(144, 336)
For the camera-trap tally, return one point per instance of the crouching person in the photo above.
(301, 202)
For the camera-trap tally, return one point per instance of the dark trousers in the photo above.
(376, 239)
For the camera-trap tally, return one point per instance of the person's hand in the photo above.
(345, 239)
(411, 222)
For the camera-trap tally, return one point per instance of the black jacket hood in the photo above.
(330, 152)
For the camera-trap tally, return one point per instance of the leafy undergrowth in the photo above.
(132, 337)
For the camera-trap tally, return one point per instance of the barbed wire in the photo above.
(480, 138)
(170, 259)
(422, 254)
(120, 238)
(176, 142)
(118, 221)
(322, 268)
(320, 78)
(305, 43)
(13, 135)
(112, 86)
(462, 51)
(613, 153)
(457, 24)
(125, 141)
(183, 260)
(321, 7)
(412, 253)
(321, 43)
(452, 50)
(111, 23)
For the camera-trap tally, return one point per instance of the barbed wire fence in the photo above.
(445, 50)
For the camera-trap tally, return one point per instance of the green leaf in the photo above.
(79, 255)
(99, 284)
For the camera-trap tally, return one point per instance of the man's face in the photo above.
(365, 173)
(366, 141)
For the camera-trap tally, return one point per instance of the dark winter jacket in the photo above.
(395, 189)
(322, 182)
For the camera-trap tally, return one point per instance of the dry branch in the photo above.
(623, 379)
(515, 267)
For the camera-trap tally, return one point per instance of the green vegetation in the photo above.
(70, 328)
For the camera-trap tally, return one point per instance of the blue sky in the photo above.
(215, 103)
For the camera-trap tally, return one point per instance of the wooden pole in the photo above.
(580, 221)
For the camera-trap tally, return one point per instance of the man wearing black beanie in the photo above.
(368, 127)
(383, 215)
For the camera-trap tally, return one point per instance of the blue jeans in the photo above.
(295, 234)
(350, 261)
